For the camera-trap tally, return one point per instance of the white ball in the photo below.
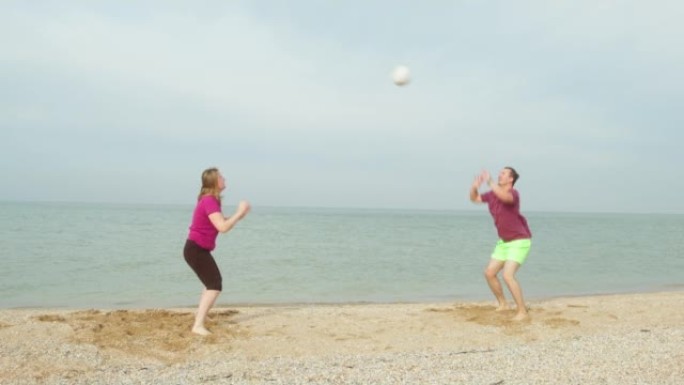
(401, 75)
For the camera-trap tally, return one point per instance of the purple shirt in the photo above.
(202, 231)
(510, 224)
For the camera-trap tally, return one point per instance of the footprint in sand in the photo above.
(158, 334)
(558, 322)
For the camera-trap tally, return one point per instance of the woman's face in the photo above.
(221, 182)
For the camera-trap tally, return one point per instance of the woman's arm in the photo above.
(223, 224)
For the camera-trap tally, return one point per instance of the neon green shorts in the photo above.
(512, 251)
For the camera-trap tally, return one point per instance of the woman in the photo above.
(207, 222)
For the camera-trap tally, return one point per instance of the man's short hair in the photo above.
(514, 174)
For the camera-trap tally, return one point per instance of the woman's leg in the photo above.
(203, 264)
(206, 302)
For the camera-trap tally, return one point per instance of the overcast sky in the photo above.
(109, 101)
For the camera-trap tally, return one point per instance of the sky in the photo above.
(127, 102)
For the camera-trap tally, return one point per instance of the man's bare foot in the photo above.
(521, 317)
(201, 330)
(503, 307)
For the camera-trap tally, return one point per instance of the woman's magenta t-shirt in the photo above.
(202, 231)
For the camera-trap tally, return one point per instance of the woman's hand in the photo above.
(242, 209)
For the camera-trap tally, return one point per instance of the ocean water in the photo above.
(111, 256)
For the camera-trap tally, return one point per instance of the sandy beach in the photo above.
(614, 339)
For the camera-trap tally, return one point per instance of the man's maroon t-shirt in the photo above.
(510, 224)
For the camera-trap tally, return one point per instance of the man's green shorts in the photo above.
(516, 250)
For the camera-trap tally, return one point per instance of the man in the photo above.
(514, 235)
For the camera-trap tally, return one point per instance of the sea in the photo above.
(96, 255)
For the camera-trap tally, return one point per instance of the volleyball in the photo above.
(401, 75)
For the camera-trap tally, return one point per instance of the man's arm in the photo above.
(503, 195)
(474, 190)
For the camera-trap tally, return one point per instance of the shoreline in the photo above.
(607, 339)
(671, 288)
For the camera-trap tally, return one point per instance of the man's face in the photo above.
(505, 176)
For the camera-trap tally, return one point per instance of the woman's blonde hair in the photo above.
(210, 184)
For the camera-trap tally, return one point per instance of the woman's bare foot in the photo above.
(521, 316)
(201, 330)
(502, 307)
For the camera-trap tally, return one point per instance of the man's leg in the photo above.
(510, 268)
(494, 284)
